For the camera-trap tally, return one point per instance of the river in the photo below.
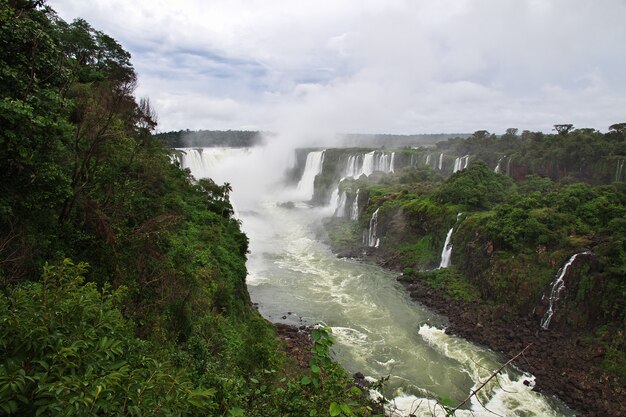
(380, 331)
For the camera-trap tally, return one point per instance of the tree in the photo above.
(481, 134)
(618, 128)
(563, 129)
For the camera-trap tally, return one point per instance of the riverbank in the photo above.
(566, 365)
(298, 342)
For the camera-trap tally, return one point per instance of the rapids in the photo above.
(380, 331)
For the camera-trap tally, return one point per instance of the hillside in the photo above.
(122, 278)
(477, 238)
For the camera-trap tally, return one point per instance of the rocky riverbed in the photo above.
(565, 364)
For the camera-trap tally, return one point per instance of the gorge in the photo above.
(294, 270)
(498, 278)
(296, 279)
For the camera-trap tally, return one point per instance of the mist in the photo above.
(313, 69)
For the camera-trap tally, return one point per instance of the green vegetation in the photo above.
(68, 350)
(206, 138)
(449, 281)
(142, 307)
(515, 231)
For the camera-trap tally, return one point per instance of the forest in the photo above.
(208, 138)
(122, 279)
(511, 210)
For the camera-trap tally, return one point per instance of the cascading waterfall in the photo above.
(354, 213)
(558, 285)
(354, 167)
(194, 160)
(333, 202)
(440, 161)
(312, 168)
(446, 252)
(497, 168)
(201, 160)
(619, 171)
(428, 158)
(370, 238)
(340, 209)
(460, 163)
(508, 166)
(366, 164)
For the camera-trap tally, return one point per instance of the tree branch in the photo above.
(493, 375)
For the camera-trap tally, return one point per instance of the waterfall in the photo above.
(558, 285)
(460, 163)
(333, 202)
(428, 157)
(372, 239)
(457, 165)
(194, 160)
(202, 161)
(446, 252)
(619, 170)
(440, 161)
(497, 168)
(383, 163)
(508, 166)
(366, 164)
(340, 206)
(313, 167)
(354, 213)
(354, 167)
(412, 159)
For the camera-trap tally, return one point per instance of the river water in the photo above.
(295, 278)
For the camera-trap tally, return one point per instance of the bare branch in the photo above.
(493, 375)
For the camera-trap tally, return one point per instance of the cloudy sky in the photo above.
(372, 66)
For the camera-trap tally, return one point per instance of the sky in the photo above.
(371, 66)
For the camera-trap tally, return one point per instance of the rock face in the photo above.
(562, 358)
(298, 342)
(563, 362)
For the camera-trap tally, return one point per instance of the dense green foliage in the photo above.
(142, 307)
(582, 154)
(68, 350)
(207, 138)
(515, 231)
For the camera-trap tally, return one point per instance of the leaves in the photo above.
(75, 351)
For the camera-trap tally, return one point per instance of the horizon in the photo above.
(398, 67)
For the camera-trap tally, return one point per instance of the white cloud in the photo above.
(372, 66)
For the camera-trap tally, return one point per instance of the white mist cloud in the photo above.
(313, 68)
